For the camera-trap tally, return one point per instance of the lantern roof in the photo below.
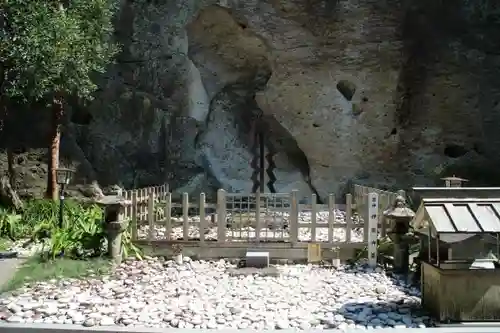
(399, 209)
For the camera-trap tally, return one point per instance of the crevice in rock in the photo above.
(347, 89)
(278, 139)
(454, 150)
(217, 32)
(283, 141)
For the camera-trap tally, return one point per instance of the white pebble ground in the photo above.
(202, 294)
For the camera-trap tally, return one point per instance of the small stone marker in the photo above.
(257, 259)
(313, 252)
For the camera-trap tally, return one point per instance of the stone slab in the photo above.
(257, 259)
(245, 271)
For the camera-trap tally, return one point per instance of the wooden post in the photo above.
(221, 216)
(126, 210)
(161, 192)
(384, 200)
(313, 217)
(331, 217)
(348, 217)
(140, 206)
(364, 213)
(134, 215)
(185, 216)
(262, 161)
(168, 215)
(257, 216)
(294, 218)
(373, 216)
(151, 214)
(203, 222)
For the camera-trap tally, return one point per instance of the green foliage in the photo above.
(129, 248)
(82, 234)
(9, 224)
(46, 48)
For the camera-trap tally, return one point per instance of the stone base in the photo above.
(257, 259)
(245, 271)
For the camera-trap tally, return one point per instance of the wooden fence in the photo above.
(236, 222)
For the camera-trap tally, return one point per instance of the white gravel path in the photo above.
(202, 294)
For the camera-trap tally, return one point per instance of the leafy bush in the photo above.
(81, 236)
(9, 224)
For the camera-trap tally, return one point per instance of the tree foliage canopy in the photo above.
(51, 47)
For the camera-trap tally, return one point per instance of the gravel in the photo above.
(274, 225)
(25, 249)
(202, 294)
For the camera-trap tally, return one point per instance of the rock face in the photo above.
(387, 93)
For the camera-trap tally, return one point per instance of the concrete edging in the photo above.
(49, 328)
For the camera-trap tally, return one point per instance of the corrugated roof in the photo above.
(463, 215)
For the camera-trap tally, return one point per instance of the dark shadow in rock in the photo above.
(454, 150)
(347, 89)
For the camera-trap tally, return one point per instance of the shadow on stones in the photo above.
(398, 312)
(400, 309)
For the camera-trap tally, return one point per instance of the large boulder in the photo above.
(386, 93)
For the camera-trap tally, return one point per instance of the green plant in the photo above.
(129, 249)
(82, 234)
(9, 224)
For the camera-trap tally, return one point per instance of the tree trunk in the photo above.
(8, 195)
(55, 140)
(10, 167)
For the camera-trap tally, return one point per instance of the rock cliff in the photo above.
(382, 92)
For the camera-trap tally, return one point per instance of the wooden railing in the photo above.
(237, 217)
(240, 217)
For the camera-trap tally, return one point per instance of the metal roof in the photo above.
(459, 237)
(468, 215)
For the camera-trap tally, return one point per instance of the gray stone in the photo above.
(257, 259)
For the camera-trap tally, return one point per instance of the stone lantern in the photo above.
(453, 181)
(399, 216)
(114, 223)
